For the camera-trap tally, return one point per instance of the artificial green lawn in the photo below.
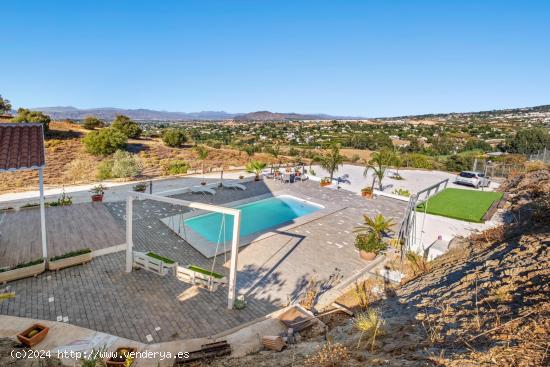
(198, 269)
(468, 205)
(161, 258)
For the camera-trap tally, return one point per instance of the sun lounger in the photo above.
(203, 190)
(233, 185)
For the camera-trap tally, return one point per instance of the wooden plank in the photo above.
(342, 308)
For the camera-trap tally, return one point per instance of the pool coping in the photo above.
(208, 249)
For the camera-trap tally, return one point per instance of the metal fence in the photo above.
(496, 169)
(541, 155)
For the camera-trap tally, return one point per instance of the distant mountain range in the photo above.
(109, 113)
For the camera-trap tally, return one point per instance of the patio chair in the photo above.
(285, 177)
(202, 190)
(233, 185)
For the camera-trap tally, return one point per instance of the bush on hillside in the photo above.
(126, 164)
(104, 170)
(105, 141)
(174, 137)
(175, 166)
(91, 123)
(25, 115)
(122, 165)
(417, 160)
(126, 126)
(457, 163)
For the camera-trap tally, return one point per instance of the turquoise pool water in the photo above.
(256, 216)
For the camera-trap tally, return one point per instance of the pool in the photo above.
(256, 216)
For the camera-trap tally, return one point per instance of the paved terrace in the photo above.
(272, 271)
(68, 228)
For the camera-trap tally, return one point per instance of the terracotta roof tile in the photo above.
(21, 146)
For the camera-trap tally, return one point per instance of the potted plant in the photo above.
(123, 357)
(370, 238)
(24, 270)
(70, 259)
(97, 192)
(256, 167)
(368, 246)
(140, 187)
(366, 192)
(325, 181)
(33, 335)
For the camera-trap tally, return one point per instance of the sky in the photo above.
(353, 58)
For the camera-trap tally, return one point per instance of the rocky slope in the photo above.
(485, 303)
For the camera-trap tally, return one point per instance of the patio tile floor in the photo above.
(101, 296)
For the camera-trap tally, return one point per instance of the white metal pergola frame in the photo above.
(236, 213)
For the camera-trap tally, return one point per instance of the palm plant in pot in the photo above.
(97, 192)
(255, 167)
(370, 238)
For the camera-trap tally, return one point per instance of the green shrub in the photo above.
(457, 163)
(174, 137)
(126, 126)
(175, 167)
(417, 160)
(91, 122)
(25, 115)
(105, 141)
(126, 164)
(369, 243)
(104, 170)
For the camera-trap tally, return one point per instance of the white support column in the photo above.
(234, 256)
(129, 243)
(43, 215)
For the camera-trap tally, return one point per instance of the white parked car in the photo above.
(471, 178)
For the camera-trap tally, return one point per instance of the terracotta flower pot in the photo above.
(97, 198)
(323, 184)
(33, 335)
(367, 256)
(367, 194)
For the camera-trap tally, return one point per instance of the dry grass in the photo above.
(330, 355)
(363, 154)
(67, 162)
